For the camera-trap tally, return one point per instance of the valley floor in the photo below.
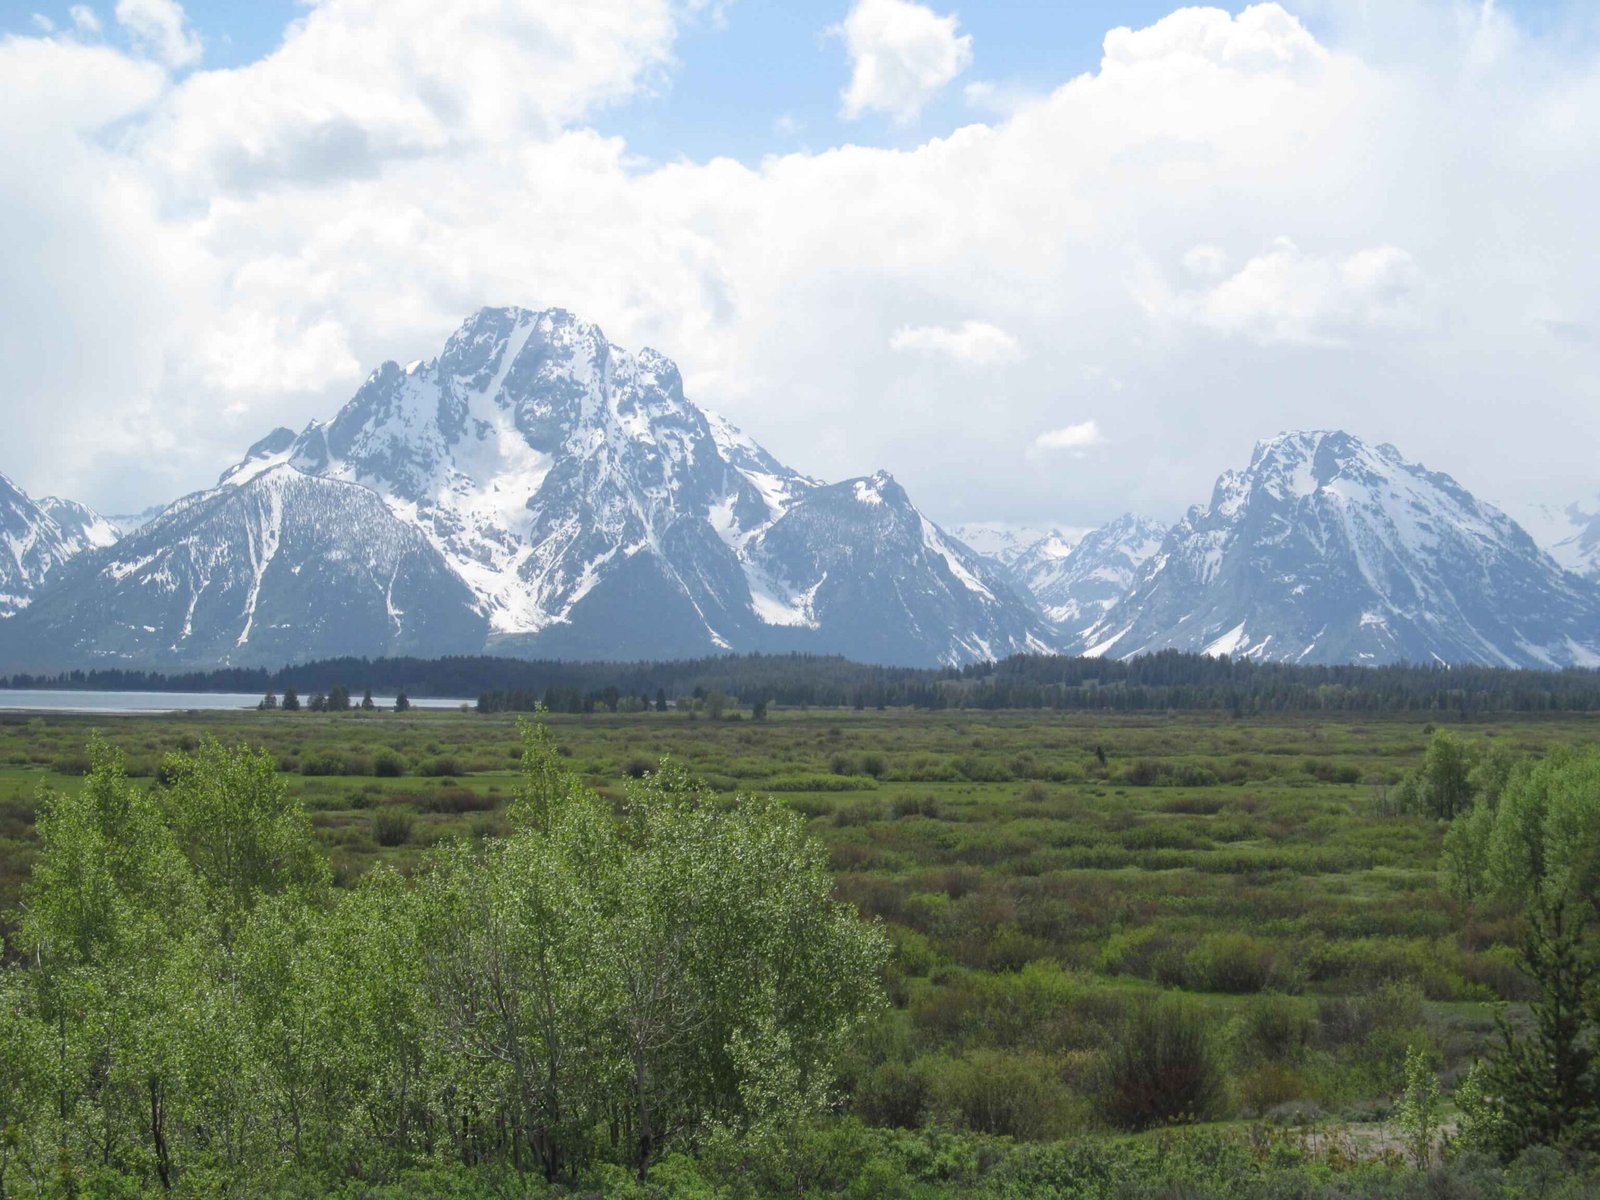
(1041, 877)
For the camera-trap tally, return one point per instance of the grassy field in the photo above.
(1040, 875)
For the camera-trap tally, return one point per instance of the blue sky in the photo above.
(766, 76)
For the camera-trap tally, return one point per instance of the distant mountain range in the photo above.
(536, 490)
(1326, 549)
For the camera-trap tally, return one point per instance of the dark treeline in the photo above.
(1168, 680)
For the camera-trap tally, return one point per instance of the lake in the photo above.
(43, 700)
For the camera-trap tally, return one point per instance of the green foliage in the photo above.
(1163, 1069)
(1547, 1081)
(1030, 918)
(1420, 1109)
(1539, 840)
(201, 1010)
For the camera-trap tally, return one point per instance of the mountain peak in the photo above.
(1329, 549)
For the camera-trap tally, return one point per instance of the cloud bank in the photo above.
(1231, 227)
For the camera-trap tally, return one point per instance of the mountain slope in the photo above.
(1579, 550)
(1326, 549)
(37, 538)
(81, 527)
(281, 568)
(594, 511)
(1078, 587)
(855, 568)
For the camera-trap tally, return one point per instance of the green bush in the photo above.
(1162, 1068)
(896, 1095)
(1001, 1094)
(391, 827)
(386, 764)
(1231, 962)
(323, 762)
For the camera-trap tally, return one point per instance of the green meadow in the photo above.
(1046, 882)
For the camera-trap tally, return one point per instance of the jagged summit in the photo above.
(593, 510)
(1330, 549)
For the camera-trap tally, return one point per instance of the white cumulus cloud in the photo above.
(1288, 295)
(901, 55)
(972, 343)
(160, 27)
(192, 259)
(1075, 439)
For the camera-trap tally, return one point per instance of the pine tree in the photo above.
(402, 703)
(1548, 1081)
(367, 704)
(291, 700)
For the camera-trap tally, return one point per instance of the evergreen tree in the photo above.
(1548, 1081)
(269, 702)
(291, 700)
(402, 703)
(367, 704)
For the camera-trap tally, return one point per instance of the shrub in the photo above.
(914, 806)
(1276, 1028)
(821, 783)
(391, 827)
(455, 800)
(388, 765)
(1162, 1069)
(72, 764)
(1231, 962)
(1001, 1094)
(1270, 1086)
(895, 1095)
(440, 766)
(323, 762)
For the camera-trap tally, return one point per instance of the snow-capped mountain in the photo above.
(1326, 549)
(1571, 535)
(594, 511)
(37, 538)
(82, 527)
(1077, 584)
(858, 564)
(125, 523)
(279, 568)
(1005, 544)
(1580, 552)
(1075, 575)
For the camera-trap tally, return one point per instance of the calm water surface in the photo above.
(30, 700)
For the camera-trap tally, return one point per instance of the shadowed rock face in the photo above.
(1326, 549)
(281, 568)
